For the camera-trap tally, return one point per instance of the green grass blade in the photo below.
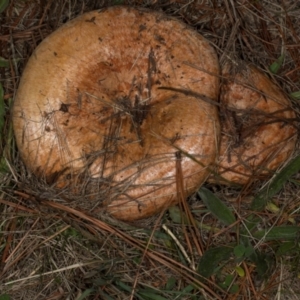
(3, 5)
(4, 63)
(105, 296)
(276, 185)
(216, 206)
(188, 289)
(152, 296)
(127, 288)
(295, 95)
(276, 65)
(278, 233)
(85, 294)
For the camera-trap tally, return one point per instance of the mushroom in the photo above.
(107, 103)
(258, 133)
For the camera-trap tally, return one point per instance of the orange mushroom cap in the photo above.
(98, 109)
(258, 131)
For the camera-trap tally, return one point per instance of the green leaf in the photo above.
(71, 232)
(239, 250)
(5, 297)
(211, 259)
(240, 271)
(286, 173)
(262, 262)
(179, 217)
(228, 281)
(260, 201)
(242, 251)
(3, 167)
(216, 206)
(4, 63)
(234, 289)
(250, 224)
(279, 233)
(276, 185)
(3, 6)
(171, 283)
(276, 65)
(249, 250)
(285, 248)
(295, 95)
(175, 214)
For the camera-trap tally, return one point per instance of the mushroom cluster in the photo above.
(116, 102)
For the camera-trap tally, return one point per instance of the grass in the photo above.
(227, 243)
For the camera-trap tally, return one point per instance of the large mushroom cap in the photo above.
(258, 131)
(102, 108)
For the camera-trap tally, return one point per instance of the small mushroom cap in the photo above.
(258, 132)
(96, 109)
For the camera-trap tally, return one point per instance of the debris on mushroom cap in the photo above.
(258, 130)
(107, 100)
